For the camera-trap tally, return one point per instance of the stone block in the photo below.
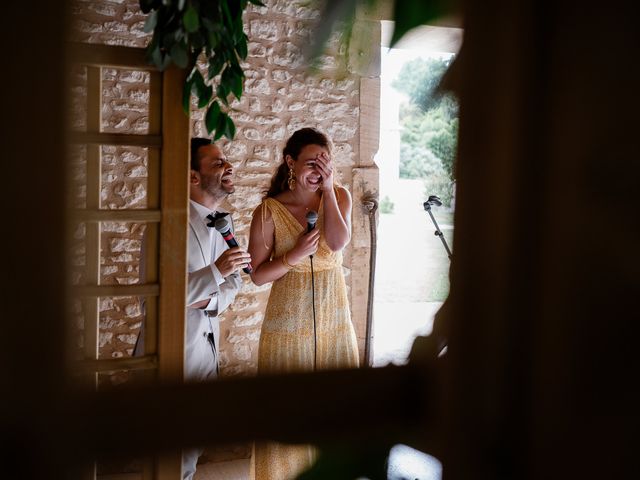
(254, 336)
(299, 29)
(295, 106)
(264, 30)
(245, 196)
(247, 176)
(126, 280)
(267, 120)
(341, 131)
(106, 303)
(127, 338)
(256, 50)
(248, 320)
(326, 62)
(108, 270)
(133, 310)
(242, 351)
(281, 76)
(105, 9)
(136, 171)
(244, 302)
(277, 106)
(251, 287)
(241, 117)
(251, 134)
(261, 151)
(235, 149)
(124, 245)
(254, 105)
(324, 111)
(288, 55)
(346, 84)
(315, 94)
(343, 154)
(122, 258)
(256, 86)
(295, 10)
(274, 133)
(327, 84)
(257, 163)
(297, 123)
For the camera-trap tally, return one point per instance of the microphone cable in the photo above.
(313, 308)
(312, 218)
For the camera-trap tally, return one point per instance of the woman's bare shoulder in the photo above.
(342, 194)
(263, 210)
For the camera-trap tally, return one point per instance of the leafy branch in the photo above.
(183, 30)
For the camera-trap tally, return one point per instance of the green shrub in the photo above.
(439, 184)
(386, 205)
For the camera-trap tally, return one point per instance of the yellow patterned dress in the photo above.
(287, 336)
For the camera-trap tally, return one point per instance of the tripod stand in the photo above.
(434, 200)
(436, 342)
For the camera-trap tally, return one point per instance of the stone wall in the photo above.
(341, 98)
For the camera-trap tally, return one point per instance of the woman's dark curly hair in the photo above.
(300, 139)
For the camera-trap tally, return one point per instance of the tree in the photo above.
(443, 145)
(429, 121)
(419, 79)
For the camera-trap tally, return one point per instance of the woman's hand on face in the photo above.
(324, 164)
(306, 245)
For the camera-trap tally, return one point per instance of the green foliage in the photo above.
(184, 30)
(386, 205)
(440, 185)
(419, 79)
(417, 161)
(409, 14)
(338, 16)
(429, 126)
(443, 144)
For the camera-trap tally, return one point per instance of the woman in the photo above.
(281, 249)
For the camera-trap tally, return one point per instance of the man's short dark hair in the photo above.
(196, 143)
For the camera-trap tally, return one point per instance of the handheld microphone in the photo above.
(223, 225)
(312, 218)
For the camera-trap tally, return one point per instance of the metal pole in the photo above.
(438, 232)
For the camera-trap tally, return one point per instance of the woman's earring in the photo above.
(292, 179)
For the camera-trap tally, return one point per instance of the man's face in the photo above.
(215, 172)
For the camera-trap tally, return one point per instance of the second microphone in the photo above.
(223, 225)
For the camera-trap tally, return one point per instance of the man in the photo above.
(213, 267)
(213, 277)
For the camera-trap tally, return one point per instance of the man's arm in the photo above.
(228, 290)
(201, 285)
(215, 286)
